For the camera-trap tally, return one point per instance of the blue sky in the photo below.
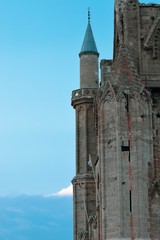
(39, 67)
(35, 217)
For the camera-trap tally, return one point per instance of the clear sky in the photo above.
(39, 67)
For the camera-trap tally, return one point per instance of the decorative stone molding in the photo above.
(153, 37)
(93, 221)
(109, 93)
(84, 92)
(83, 95)
(84, 235)
(109, 96)
(83, 179)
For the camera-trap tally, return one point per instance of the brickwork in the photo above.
(118, 123)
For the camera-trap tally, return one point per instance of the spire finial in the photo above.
(89, 15)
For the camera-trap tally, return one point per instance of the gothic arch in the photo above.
(109, 94)
(153, 38)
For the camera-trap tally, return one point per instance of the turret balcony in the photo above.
(83, 95)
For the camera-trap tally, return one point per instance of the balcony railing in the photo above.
(84, 92)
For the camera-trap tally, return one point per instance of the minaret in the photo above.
(89, 60)
(82, 101)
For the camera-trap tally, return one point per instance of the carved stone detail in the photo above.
(84, 235)
(93, 221)
(153, 38)
(84, 92)
(109, 96)
(109, 93)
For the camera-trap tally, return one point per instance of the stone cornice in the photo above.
(83, 178)
(83, 95)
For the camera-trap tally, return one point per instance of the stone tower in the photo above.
(117, 191)
(82, 101)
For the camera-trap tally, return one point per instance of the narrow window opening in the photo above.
(127, 102)
(129, 155)
(130, 200)
(125, 148)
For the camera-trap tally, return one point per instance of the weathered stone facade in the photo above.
(117, 182)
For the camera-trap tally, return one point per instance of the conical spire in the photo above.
(89, 45)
